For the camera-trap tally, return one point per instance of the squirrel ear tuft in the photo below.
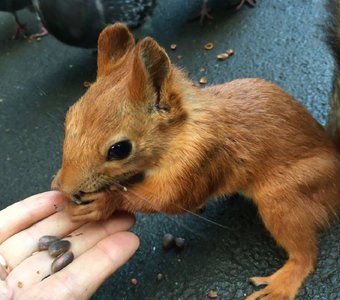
(155, 60)
(113, 43)
(150, 68)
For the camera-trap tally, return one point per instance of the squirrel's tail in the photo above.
(333, 41)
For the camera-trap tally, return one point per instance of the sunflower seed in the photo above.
(62, 261)
(59, 247)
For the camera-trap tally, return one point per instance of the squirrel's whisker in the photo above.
(182, 208)
(126, 196)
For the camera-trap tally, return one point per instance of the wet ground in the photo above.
(279, 40)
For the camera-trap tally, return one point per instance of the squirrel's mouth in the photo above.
(131, 178)
(121, 182)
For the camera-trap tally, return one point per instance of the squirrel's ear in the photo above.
(113, 43)
(151, 65)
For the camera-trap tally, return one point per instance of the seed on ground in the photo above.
(209, 46)
(230, 52)
(160, 276)
(222, 56)
(168, 241)
(179, 242)
(203, 80)
(87, 84)
(212, 295)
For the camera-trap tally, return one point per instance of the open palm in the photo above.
(100, 248)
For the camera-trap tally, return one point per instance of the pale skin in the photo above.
(107, 243)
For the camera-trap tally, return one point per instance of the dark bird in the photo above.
(79, 22)
(205, 14)
(13, 6)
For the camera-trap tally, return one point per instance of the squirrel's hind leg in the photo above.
(294, 228)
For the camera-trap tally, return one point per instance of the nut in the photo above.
(59, 247)
(230, 52)
(173, 46)
(87, 84)
(62, 261)
(212, 295)
(45, 241)
(168, 241)
(222, 56)
(180, 243)
(160, 276)
(208, 46)
(203, 80)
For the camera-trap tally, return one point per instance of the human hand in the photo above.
(100, 248)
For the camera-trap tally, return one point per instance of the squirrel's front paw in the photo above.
(91, 207)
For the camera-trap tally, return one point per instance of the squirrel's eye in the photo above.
(119, 150)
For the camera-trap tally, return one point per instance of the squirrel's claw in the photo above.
(99, 207)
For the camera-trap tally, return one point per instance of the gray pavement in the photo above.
(279, 40)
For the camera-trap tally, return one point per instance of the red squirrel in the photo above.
(145, 138)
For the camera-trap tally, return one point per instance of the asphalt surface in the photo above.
(279, 40)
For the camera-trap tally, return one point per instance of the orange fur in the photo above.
(192, 144)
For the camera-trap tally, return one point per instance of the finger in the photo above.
(108, 255)
(36, 267)
(90, 234)
(5, 292)
(83, 277)
(23, 214)
(21, 245)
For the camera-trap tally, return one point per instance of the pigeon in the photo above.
(79, 22)
(13, 6)
(204, 14)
